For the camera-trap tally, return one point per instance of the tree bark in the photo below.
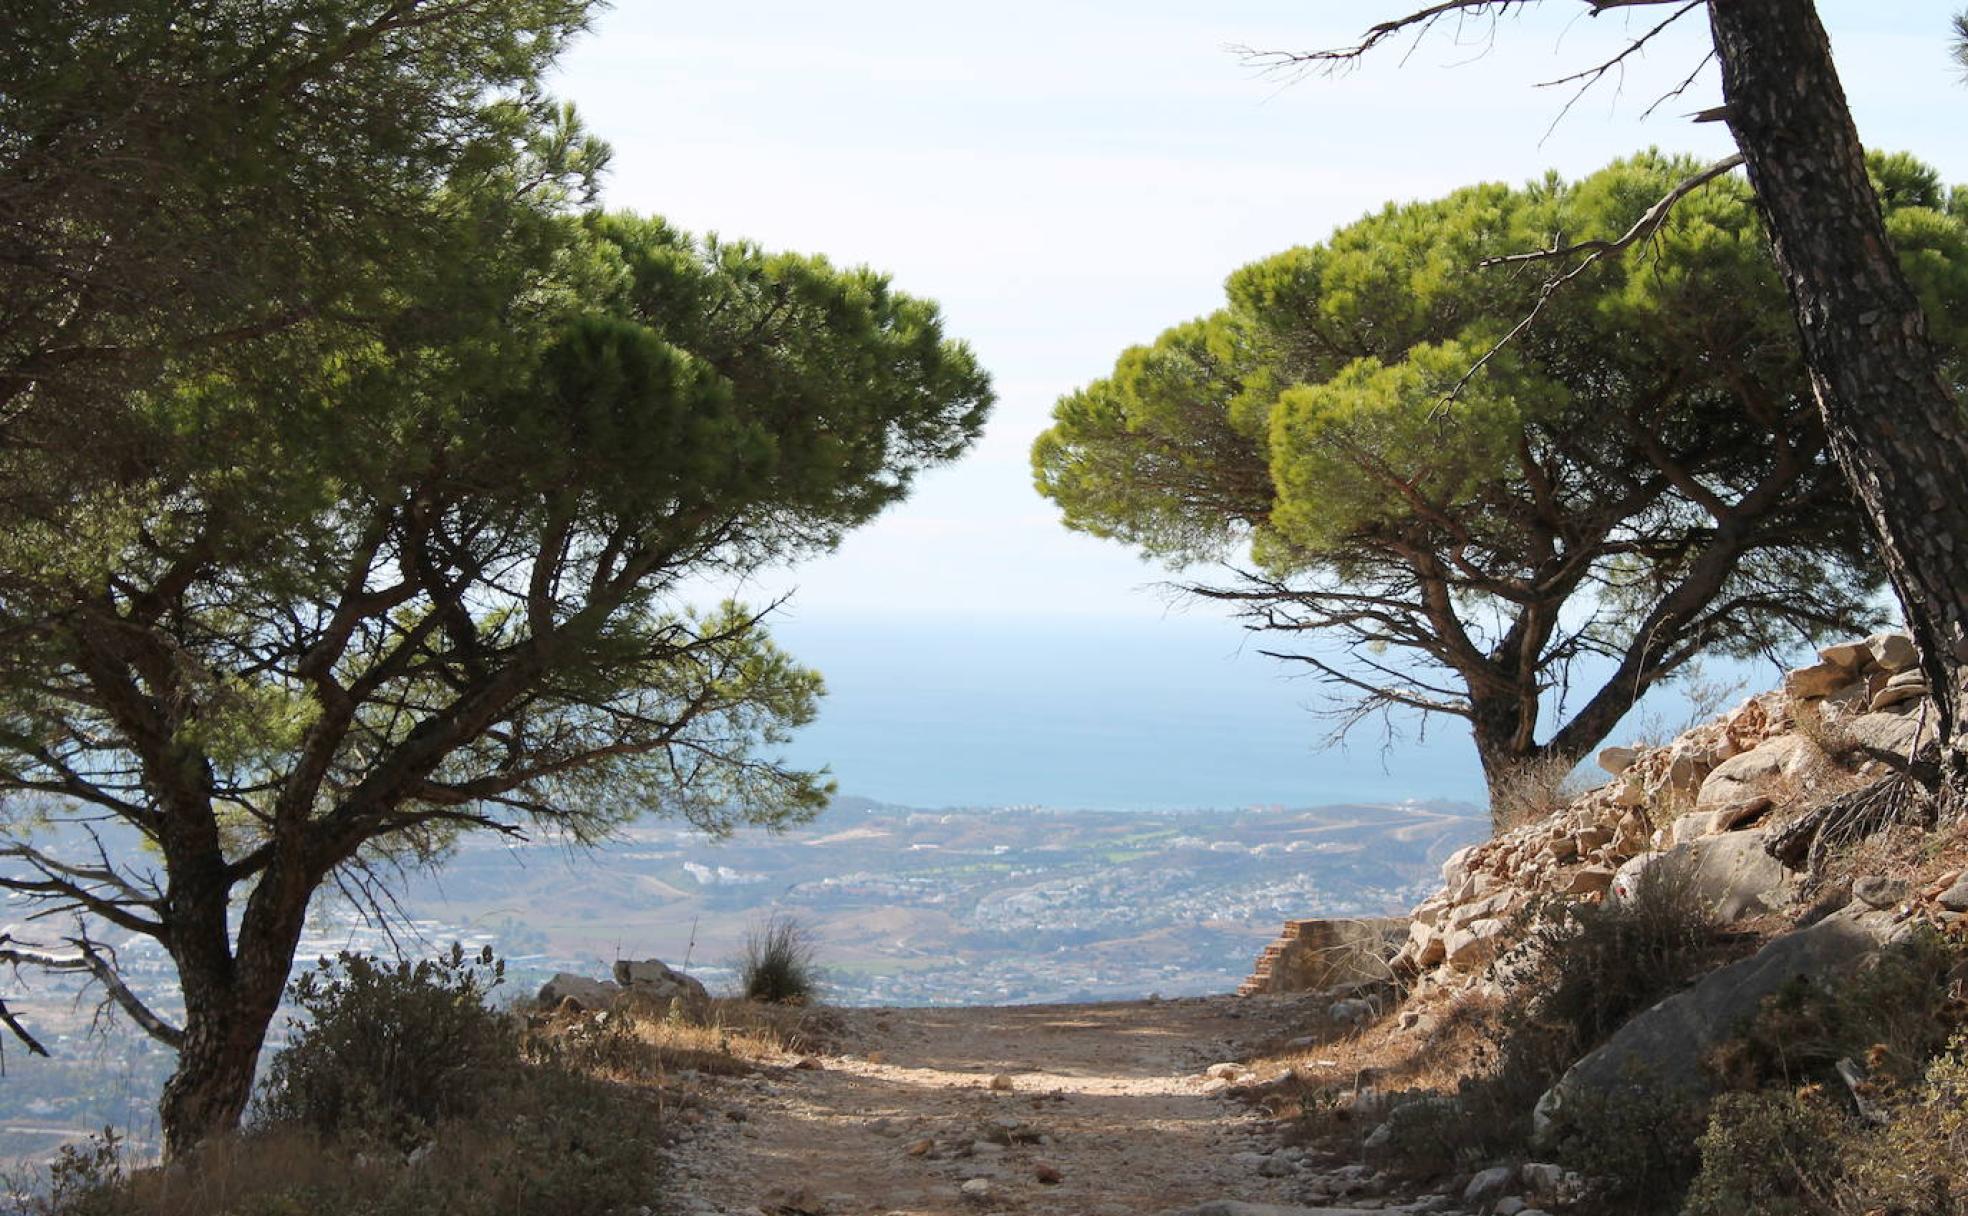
(231, 997)
(1894, 426)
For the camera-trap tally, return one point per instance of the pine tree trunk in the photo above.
(1893, 424)
(207, 1094)
(231, 997)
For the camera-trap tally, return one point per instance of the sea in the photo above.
(1158, 714)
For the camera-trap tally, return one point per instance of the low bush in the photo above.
(389, 1049)
(1805, 1152)
(778, 966)
(1914, 1164)
(1580, 971)
(558, 1144)
(1774, 1153)
(1583, 969)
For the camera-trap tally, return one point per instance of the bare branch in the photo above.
(1594, 251)
(1643, 228)
(1589, 77)
(99, 962)
(13, 1024)
(1418, 23)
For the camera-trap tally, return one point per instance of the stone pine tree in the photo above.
(1893, 419)
(1438, 524)
(280, 608)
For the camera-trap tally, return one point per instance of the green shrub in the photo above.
(1637, 1143)
(1915, 1163)
(388, 1050)
(778, 966)
(1774, 1153)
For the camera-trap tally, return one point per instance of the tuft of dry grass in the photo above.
(1534, 790)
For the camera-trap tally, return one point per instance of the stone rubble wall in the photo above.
(1319, 955)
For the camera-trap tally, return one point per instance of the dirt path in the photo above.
(1107, 1113)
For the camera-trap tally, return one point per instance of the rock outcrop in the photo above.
(650, 978)
(1662, 1048)
(654, 978)
(1705, 801)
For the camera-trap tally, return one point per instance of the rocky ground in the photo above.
(1111, 1109)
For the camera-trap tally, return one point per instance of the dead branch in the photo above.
(1642, 229)
(1587, 78)
(98, 961)
(1595, 251)
(1418, 23)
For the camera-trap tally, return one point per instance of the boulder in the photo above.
(1955, 898)
(587, 993)
(1458, 864)
(1879, 891)
(1663, 1047)
(1893, 651)
(1850, 655)
(1542, 1179)
(1890, 732)
(1473, 945)
(1691, 826)
(1617, 760)
(1742, 777)
(1590, 880)
(1687, 768)
(1819, 680)
(1903, 687)
(1738, 815)
(652, 977)
(1424, 944)
(1488, 1184)
(1627, 877)
(1733, 873)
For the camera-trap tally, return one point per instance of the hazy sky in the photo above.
(1071, 177)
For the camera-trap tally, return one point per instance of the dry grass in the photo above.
(646, 1041)
(1922, 856)
(1534, 790)
(551, 1143)
(1454, 1042)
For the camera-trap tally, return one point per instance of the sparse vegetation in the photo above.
(404, 1094)
(1804, 1152)
(779, 964)
(1584, 969)
(1893, 1017)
